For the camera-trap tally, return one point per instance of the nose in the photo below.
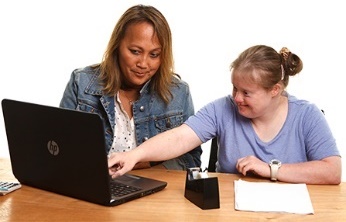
(143, 62)
(238, 98)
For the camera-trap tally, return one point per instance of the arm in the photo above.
(193, 157)
(176, 141)
(325, 171)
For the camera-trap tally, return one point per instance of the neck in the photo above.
(278, 113)
(130, 95)
(267, 127)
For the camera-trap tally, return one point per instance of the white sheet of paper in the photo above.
(272, 197)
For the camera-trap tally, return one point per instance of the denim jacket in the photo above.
(151, 116)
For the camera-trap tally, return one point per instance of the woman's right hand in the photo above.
(121, 163)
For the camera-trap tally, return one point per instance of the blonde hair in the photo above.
(271, 66)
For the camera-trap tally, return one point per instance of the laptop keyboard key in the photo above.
(119, 189)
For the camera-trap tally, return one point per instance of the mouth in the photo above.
(242, 107)
(141, 73)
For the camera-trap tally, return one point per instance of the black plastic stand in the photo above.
(203, 192)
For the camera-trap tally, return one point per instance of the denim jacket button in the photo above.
(145, 139)
(141, 108)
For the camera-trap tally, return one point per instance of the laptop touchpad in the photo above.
(127, 178)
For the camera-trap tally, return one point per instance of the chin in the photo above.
(245, 114)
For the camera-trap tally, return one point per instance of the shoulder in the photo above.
(220, 107)
(177, 81)
(225, 103)
(179, 86)
(306, 113)
(302, 106)
(87, 72)
(87, 78)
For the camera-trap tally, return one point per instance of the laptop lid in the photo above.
(63, 151)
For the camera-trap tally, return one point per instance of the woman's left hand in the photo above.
(254, 165)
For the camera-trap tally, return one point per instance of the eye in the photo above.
(246, 93)
(242, 92)
(134, 51)
(154, 54)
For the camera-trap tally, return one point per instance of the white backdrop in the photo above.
(41, 42)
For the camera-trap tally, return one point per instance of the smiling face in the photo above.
(139, 54)
(252, 99)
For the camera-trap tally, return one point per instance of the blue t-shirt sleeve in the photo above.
(207, 122)
(203, 123)
(319, 140)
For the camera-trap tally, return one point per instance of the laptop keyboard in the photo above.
(119, 189)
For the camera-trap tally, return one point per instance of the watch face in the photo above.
(275, 162)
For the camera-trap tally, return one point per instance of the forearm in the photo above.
(326, 171)
(168, 145)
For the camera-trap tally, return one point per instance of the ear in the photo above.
(276, 90)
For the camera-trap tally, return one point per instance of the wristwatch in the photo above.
(274, 165)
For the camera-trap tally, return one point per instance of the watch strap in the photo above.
(274, 168)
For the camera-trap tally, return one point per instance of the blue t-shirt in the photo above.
(304, 136)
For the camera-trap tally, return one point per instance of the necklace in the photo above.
(129, 100)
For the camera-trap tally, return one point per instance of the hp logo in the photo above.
(53, 147)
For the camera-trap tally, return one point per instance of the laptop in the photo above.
(63, 151)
